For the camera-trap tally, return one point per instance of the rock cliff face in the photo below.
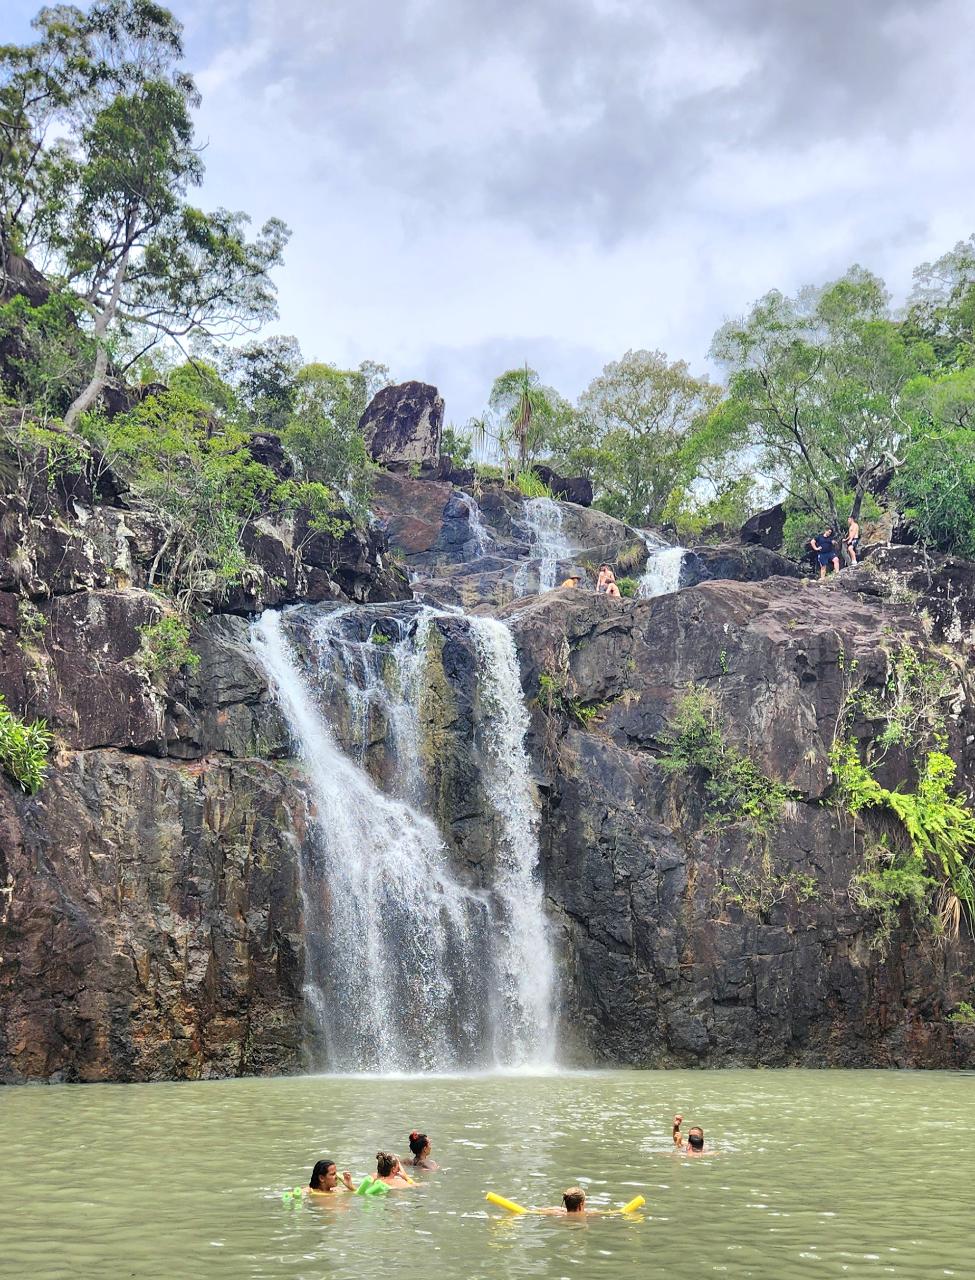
(151, 920)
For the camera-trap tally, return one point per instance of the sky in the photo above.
(471, 185)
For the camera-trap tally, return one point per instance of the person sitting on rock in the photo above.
(612, 590)
(420, 1146)
(572, 580)
(603, 579)
(826, 553)
(324, 1180)
(852, 540)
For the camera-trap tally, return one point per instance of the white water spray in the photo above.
(548, 545)
(407, 968)
(526, 959)
(661, 573)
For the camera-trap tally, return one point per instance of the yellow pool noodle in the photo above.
(505, 1204)
(635, 1203)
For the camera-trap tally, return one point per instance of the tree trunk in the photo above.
(83, 402)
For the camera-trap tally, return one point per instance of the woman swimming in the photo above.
(420, 1146)
(390, 1171)
(324, 1180)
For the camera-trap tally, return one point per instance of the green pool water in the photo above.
(818, 1174)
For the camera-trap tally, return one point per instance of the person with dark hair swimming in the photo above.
(695, 1141)
(390, 1171)
(420, 1147)
(324, 1180)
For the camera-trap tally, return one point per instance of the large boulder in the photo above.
(401, 425)
(745, 564)
(765, 529)
(575, 489)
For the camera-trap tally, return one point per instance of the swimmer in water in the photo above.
(390, 1171)
(324, 1180)
(573, 1204)
(695, 1142)
(420, 1146)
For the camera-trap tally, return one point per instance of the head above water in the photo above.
(695, 1138)
(574, 1199)
(386, 1163)
(419, 1144)
(324, 1176)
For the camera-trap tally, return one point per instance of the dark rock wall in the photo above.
(662, 966)
(150, 910)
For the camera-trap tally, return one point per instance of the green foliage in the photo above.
(323, 432)
(756, 893)
(23, 748)
(735, 788)
(531, 485)
(96, 156)
(31, 624)
(887, 882)
(936, 489)
(164, 648)
(640, 435)
(177, 449)
(815, 384)
(459, 448)
(47, 356)
(911, 703)
(524, 417)
(554, 696)
(628, 587)
(938, 825)
(964, 1016)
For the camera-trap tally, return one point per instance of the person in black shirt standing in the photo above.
(826, 552)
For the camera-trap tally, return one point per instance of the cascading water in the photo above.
(661, 573)
(479, 530)
(547, 544)
(502, 723)
(406, 967)
(390, 935)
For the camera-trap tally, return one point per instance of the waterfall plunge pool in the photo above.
(849, 1174)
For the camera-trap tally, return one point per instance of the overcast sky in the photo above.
(476, 183)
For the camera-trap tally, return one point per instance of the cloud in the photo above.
(592, 175)
(575, 117)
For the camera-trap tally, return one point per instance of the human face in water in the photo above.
(331, 1178)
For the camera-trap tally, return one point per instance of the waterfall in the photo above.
(547, 544)
(406, 967)
(526, 960)
(479, 530)
(390, 935)
(661, 573)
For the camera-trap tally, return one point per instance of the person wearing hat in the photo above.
(572, 580)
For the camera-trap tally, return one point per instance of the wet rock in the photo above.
(401, 424)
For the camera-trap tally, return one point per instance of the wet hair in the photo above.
(696, 1139)
(574, 1199)
(602, 567)
(417, 1142)
(386, 1162)
(318, 1174)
